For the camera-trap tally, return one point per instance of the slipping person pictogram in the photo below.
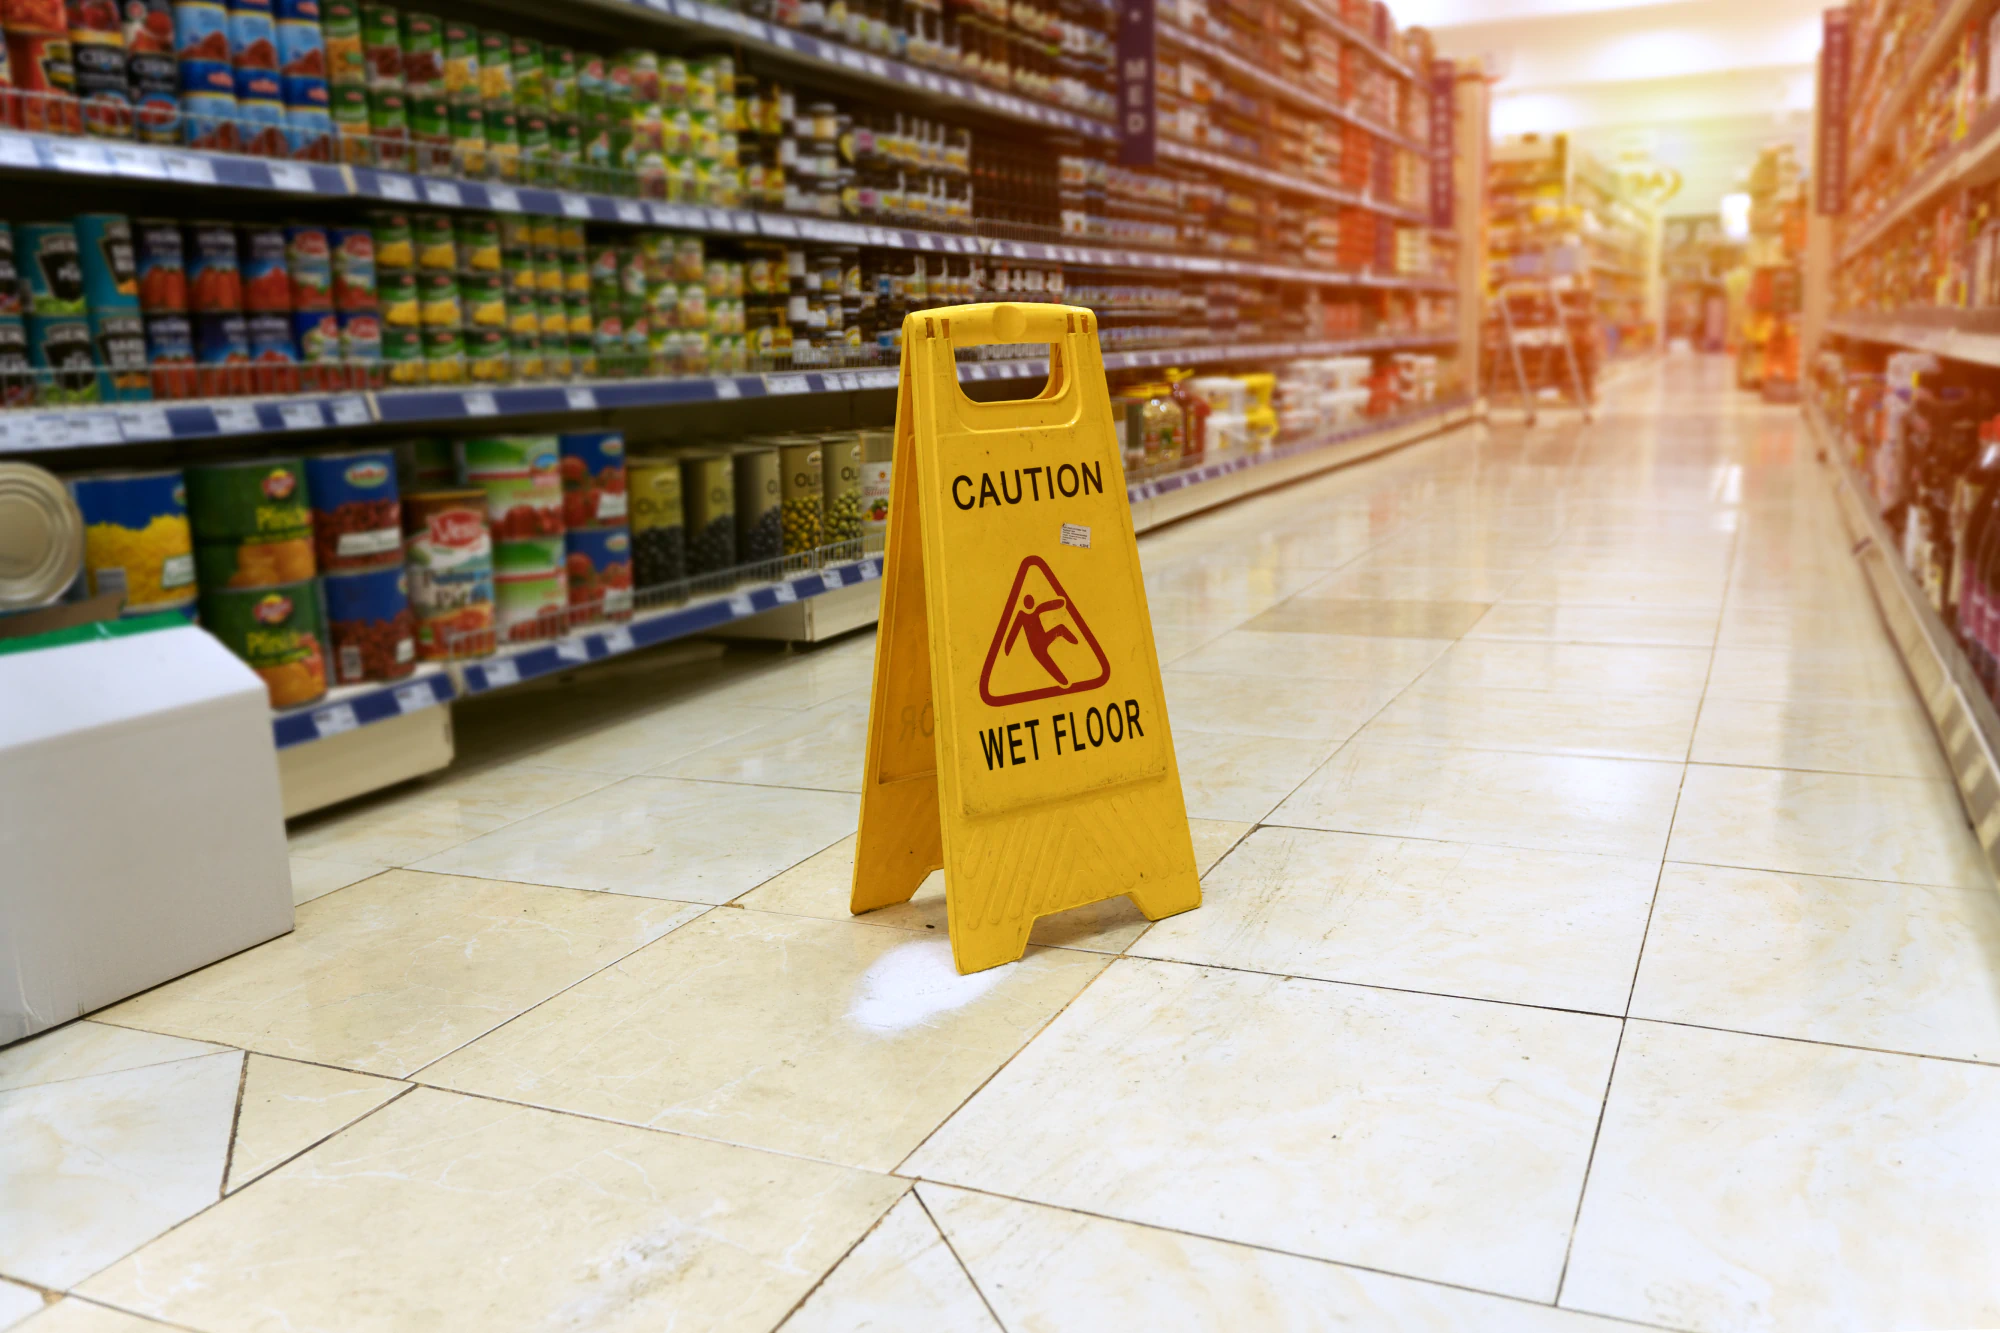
(1040, 618)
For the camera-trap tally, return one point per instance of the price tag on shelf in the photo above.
(396, 187)
(868, 569)
(236, 418)
(618, 640)
(92, 428)
(301, 416)
(781, 384)
(334, 719)
(784, 592)
(830, 577)
(76, 155)
(415, 695)
(740, 605)
(144, 423)
(726, 389)
(502, 671)
(572, 650)
(139, 163)
(443, 193)
(581, 400)
(16, 151)
(631, 211)
(480, 404)
(349, 411)
(503, 198)
(291, 176)
(189, 168)
(575, 206)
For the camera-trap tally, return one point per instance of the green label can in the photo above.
(278, 631)
(263, 498)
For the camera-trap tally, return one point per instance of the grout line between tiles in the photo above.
(959, 1259)
(842, 1258)
(235, 1124)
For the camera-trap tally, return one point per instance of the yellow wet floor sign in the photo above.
(1017, 736)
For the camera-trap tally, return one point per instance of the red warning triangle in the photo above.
(1034, 654)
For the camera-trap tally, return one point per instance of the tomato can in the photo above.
(160, 263)
(214, 280)
(222, 353)
(136, 539)
(274, 356)
(278, 631)
(360, 340)
(593, 477)
(598, 564)
(266, 275)
(309, 264)
(448, 554)
(370, 625)
(170, 354)
(530, 590)
(352, 250)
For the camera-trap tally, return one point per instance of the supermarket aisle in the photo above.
(1590, 924)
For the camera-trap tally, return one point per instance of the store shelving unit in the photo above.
(361, 737)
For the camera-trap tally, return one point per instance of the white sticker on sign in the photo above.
(1076, 534)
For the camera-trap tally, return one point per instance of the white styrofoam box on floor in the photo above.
(141, 834)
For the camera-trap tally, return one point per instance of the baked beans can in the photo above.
(530, 589)
(267, 282)
(395, 245)
(593, 477)
(396, 296)
(135, 538)
(118, 338)
(17, 376)
(170, 354)
(49, 260)
(448, 554)
(214, 278)
(309, 264)
(277, 631)
(369, 624)
(64, 357)
(352, 251)
(221, 353)
(261, 499)
(260, 113)
(110, 268)
(356, 516)
(160, 264)
(598, 565)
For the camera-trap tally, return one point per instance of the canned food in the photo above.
(61, 346)
(136, 539)
(253, 36)
(461, 60)
(530, 590)
(267, 282)
(593, 477)
(170, 354)
(482, 303)
(878, 451)
(360, 339)
(265, 499)
(274, 357)
(160, 265)
(277, 631)
(17, 379)
(801, 487)
(426, 464)
(396, 294)
(252, 563)
(340, 28)
(403, 354)
(215, 281)
(45, 74)
(708, 489)
(370, 625)
(437, 300)
(759, 503)
(48, 257)
(356, 518)
(308, 122)
(222, 353)
(436, 242)
(260, 113)
(598, 564)
(423, 53)
(530, 86)
(521, 480)
(309, 261)
(382, 46)
(201, 31)
(45, 543)
(110, 265)
(448, 554)
(496, 68)
(316, 334)
(118, 340)
(208, 114)
(477, 238)
(301, 49)
(841, 467)
(395, 245)
(659, 548)
(10, 275)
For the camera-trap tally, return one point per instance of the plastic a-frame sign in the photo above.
(1018, 735)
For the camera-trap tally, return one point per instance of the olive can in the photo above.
(801, 487)
(278, 631)
(708, 490)
(659, 546)
(842, 466)
(759, 490)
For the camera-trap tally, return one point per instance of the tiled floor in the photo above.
(1591, 935)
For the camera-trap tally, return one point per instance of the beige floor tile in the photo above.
(662, 838)
(902, 1278)
(1433, 1137)
(1893, 740)
(825, 1039)
(1323, 710)
(1797, 627)
(1215, 612)
(827, 674)
(1900, 967)
(1566, 582)
(1560, 803)
(1906, 829)
(1611, 724)
(1174, 642)
(1599, 667)
(1448, 583)
(1665, 626)
(451, 1212)
(1371, 616)
(1490, 923)
(1054, 1271)
(287, 1107)
(389, 975)
(1745, 1183)
(92, 1168)
(406, 826)
(312, 878)
(1313, 657)
(633, 745)
(820, 748)
(821, 886)
(83, 1048)
(17, 1303)
(1241, 778)
(1865, 671)
(75, 1315)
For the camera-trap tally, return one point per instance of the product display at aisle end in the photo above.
(343, 436)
